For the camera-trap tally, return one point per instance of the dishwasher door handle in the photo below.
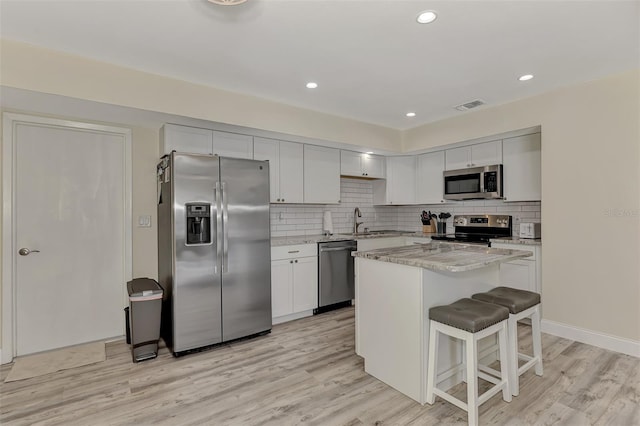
(324, 250)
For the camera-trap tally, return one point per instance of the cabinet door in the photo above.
(373, 166)
(186, 139)
(401, 180)
(232, 145)
(519, 274)
(281, 287)
(486, 154)
(321, 175)
(350, 163)
(430, 182)
(521, 169)
(458, 158)
(305, 284)
(291, 172)
(268, 149)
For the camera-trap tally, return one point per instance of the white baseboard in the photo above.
(590, 337)
(291, 317)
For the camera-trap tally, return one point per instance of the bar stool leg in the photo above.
(472, 378)
(431, 366)
(512, 328)
(505, 363)
(537, 343)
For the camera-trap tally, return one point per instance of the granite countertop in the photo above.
(518, 240)
(442, 256)
(320, 238)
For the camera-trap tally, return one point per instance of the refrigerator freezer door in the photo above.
(246, 270)
(197, 317)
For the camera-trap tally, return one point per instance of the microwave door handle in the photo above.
(481, 182)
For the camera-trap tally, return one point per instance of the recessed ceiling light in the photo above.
(525, 77)
(426, 17)
(411, 114)
(312, 85)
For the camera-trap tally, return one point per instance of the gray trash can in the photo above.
(145, 308)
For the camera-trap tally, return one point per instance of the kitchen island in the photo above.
(395, 287)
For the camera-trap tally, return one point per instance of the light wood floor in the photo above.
(306, 371)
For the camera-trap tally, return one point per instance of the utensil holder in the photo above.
(442, 227)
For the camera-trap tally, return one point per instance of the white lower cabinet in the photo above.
(294, 281)
(524, 274)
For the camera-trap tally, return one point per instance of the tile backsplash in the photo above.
(306, 219)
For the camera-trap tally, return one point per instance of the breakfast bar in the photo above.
(395, 287)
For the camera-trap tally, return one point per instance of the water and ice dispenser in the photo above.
(198, 223)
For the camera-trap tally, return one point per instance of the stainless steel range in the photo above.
(478, 229)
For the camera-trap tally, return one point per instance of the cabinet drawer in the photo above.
(290, 252)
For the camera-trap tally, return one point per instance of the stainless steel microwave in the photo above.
(473, 183)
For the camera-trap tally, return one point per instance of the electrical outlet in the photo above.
(144, 221)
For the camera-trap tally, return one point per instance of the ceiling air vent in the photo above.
(469, 105)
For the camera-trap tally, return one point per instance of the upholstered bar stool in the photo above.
(521, 304)
(469, 320)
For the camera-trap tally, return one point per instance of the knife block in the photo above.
(429, 229)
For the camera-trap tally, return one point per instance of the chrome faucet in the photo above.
(356, 215)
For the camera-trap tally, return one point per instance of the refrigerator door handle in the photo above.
(218, 199)
(225, 229)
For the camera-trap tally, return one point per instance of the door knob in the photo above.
(25, 251)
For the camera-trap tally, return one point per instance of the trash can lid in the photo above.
(143, 287)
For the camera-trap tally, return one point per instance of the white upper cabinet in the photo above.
(361, 165)
(350, 163)
(292, 172)
(194, 140)
(190, 140)
(285, 168)
(321, 175)
(481, 154)
(373, 166)
(400, 186)
(521, 169)
(232, 145)
(430, 181)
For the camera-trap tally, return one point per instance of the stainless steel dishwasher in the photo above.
(335, 274)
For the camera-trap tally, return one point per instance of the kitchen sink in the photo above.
(372, 233)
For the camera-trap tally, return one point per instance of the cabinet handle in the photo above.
(283, 200)
(294, 251)
(296, 261)
(291, 261)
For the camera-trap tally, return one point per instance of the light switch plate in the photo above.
(144, 221)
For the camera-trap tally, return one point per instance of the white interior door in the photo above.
(70, 204)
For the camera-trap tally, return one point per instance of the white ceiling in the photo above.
(371, 59)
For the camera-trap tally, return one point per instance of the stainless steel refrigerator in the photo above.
(214, 254)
